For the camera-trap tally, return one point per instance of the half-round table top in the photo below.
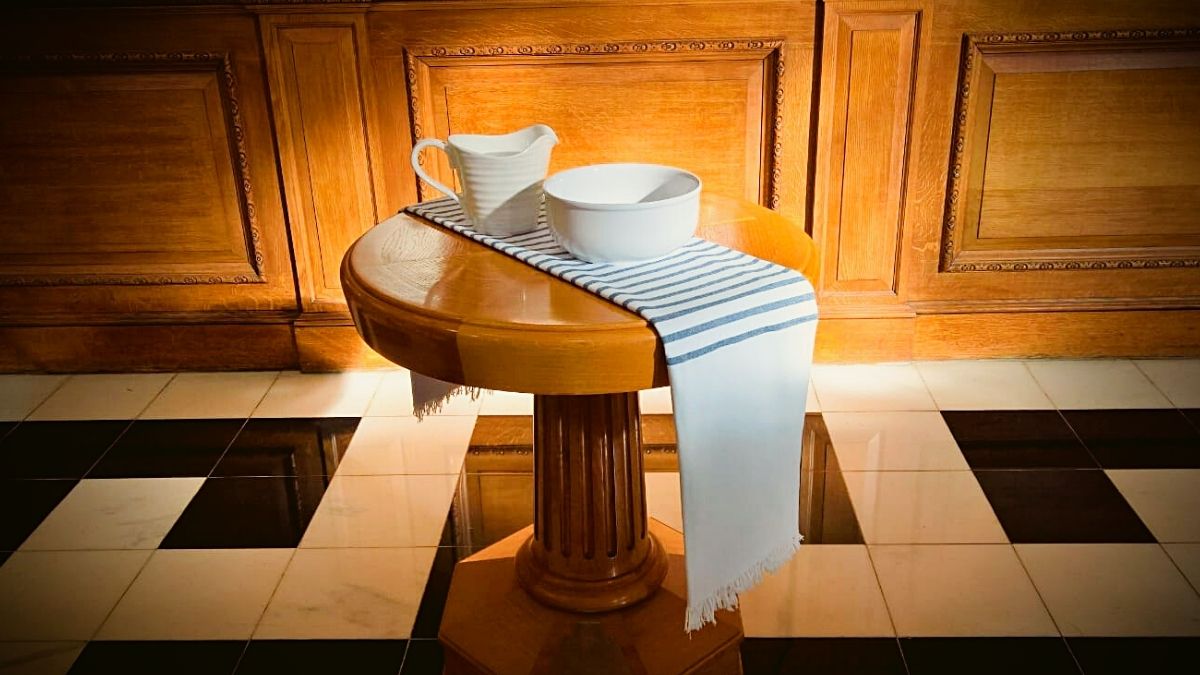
(440, 304)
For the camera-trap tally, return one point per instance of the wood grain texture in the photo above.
(140, 171)
(321, 89)
(867, 75)
(459, 311)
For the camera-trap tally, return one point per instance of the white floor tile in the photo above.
(102, 397)
(873, 387)
(982, 385)
(394, 398)
(363, 511)
(20, 394)
(663, 498)
(212, 594)
(62, 595)
(38, 658)
(211, 396)
(1109, 383)
(655, 401)
(1179, 379)
(948, 591)
(893, 441)
(1187, 559)
(436, 444)
(1112, 589)
(506, 403)
(121, 513)
(823, 591)
(319, 395)
(922, 507)
(1167, 500)
(348, 594)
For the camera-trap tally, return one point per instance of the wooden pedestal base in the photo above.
(492, 625)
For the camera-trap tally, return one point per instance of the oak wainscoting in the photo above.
(178, 181)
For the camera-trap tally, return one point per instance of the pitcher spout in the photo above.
(536, 138)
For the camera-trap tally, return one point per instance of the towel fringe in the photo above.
(726, 597)
(434, 406)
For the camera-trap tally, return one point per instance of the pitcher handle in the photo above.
(416, 164)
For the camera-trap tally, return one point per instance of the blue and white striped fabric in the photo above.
(737, 332)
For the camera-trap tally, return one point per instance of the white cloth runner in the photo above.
(738, 335)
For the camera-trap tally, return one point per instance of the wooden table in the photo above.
(595, 585)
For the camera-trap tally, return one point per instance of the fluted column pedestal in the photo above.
(595, 585)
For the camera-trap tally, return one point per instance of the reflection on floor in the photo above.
(959, 517)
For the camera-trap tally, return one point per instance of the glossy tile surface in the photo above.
(38, 658)
(1187, 558)
(982, 385)
(56, 449)
(25, 504)
(926, 507)
(825, 591)
(126, 513)
(1067, 506)
(210, 396)
(893, 441)
(167, 449)
(1096, 383)
(1137, 439)
(319, 395)
(241, 512)
(154, 658)
(1179, 379)
(20, 394)
(360, 593)
(62, 595)
(322, 657)
(506, 403)
(381, 511)
(860, 656)
(864, 388)
(1019, 439)
(988, 656)
(1145, 656)
(406, 445)
(288, 447)
(394, 397)
(1112, 589)
(217, 594)
(101, 397)
(1167, 501)
(945, 591)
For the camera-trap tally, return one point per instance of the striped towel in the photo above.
(738, 335)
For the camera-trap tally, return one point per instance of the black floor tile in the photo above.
(842, 656)
(23, 506)
(4, 555)
(424, 657)
(762, 656)
(248, 513)
(56, 449)
(1193, 416)
(988, 656)
(1144, 656)
(156, 658)
(6, 427)
(1061, 506)
(1017, 439)
(288, 447)
(323, 657)
(437, 587)
(1137, 439)
(167, 449)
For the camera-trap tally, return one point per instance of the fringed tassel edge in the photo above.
(726, 597)
(435, 406)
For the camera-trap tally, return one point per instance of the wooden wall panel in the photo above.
(139, 172)
(1090, 149)
(614, 102)
(322, 101)
(867, 75)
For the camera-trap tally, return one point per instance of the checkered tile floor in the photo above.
(974, 516)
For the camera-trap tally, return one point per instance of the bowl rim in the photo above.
(622, 206)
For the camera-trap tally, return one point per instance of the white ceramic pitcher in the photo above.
(501, 176)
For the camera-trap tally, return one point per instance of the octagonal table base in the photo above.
(595, 585)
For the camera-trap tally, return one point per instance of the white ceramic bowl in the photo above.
(619, 213)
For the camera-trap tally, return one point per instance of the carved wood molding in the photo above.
(975, 47)
(771, 49)
(218, 63)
